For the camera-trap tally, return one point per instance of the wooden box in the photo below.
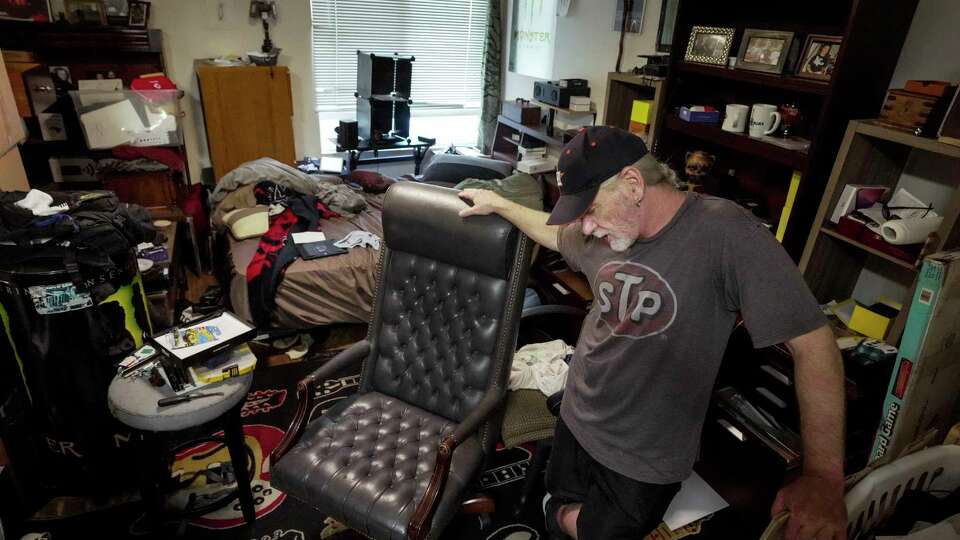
(920, 114)
(930, 88)
(522, 111)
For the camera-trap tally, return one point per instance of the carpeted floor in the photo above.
(267, 412)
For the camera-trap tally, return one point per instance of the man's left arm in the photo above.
(815, 498)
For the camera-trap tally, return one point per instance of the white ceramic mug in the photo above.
(764, 119)
(735, 119)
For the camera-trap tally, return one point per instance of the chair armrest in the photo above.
(305, 392)
(419, 526)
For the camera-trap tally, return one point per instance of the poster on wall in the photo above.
(532, 38)
(25, 10)
(634, 18)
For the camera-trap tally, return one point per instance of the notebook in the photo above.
(316, 250)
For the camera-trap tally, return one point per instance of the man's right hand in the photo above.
(531, 222)
(482, 202)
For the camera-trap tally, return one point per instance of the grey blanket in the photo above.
(336, 196)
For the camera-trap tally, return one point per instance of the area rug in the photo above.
(267, 412)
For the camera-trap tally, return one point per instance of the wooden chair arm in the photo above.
(305, 391)
(419, 526)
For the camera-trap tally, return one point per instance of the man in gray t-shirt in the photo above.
(670, 272)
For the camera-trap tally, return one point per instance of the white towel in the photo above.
(540, 366)
(359, 238)
(38, 202)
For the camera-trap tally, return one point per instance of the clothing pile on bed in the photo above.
(280, 200)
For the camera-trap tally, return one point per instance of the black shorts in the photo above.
(614, 506)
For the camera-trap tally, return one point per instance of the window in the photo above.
(445, 36)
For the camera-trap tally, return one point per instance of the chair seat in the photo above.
(368, 462)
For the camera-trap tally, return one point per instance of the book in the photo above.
(854, 197)
(317, 250)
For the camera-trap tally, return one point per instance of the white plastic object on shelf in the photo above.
(875, 496)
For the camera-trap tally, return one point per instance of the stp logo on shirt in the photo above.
(634, 300)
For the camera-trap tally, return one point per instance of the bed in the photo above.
(317, 292)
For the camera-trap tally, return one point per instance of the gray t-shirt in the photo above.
(644, 368)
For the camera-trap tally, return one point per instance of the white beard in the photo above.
(620, 244)
(617, 243)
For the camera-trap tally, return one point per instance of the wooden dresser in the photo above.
(248, 112)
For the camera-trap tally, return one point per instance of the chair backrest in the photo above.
(448, 302)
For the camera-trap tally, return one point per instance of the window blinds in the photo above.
(445, 36)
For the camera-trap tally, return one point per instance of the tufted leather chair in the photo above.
(394, 460)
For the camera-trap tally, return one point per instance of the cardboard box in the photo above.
(700, 117)
(922, 397)
(640, 111)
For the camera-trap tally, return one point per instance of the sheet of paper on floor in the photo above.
(695, 500)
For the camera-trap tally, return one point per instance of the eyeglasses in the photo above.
(885, 210)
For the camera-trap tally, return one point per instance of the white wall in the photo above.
(586, 47)
(930, 50)
(192, 29)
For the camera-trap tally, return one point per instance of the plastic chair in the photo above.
(874, 498)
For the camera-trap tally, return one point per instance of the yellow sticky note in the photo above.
(641, 111)
(869, 323)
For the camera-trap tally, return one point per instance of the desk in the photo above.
(419, 148)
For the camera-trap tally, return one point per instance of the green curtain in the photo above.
(492, 75)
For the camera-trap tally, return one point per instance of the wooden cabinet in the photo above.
(248, 112)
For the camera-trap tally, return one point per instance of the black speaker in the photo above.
(551, 93)
(379, 75)
(347, 135)
(378, 117)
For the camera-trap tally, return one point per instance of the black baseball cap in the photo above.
(590, 158)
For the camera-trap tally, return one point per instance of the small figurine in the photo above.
(697, 170)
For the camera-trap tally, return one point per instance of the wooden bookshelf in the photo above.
(872, 154)
(872, 35)
(786, 82)
(739, 142)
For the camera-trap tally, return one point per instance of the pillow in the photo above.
(247, 222)
(452, 168)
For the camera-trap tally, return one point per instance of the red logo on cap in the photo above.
(634, 300)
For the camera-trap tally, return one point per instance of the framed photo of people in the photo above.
(819, 57)
(764, 50)
(709, 45)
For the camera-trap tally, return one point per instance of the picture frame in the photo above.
(139, 13)
(668, 20)
(117, 12)
(85, 12)
(764, 50)
(709, 45)
(819, 57)
(25, 10)
(634, 18)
